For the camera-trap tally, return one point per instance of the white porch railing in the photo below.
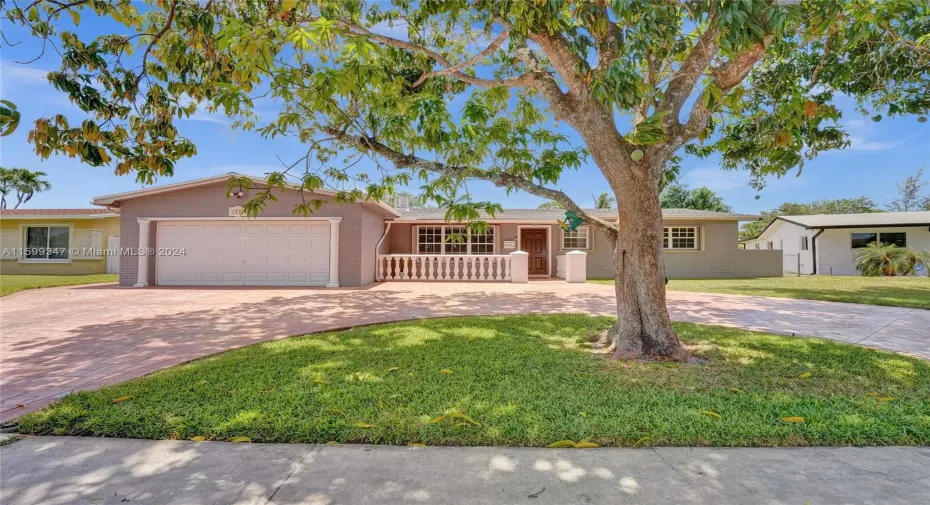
(443, 267)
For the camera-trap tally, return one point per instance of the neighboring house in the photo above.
(195, 235)
(58, 241)
(826, 243)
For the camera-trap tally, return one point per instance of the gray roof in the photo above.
(554, 214)
(857, 220)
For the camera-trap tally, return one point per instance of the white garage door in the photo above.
(258, 253)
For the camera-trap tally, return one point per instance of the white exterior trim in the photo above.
(415, 238)
(334, 252)
(55, 216)
(142, 276)
(549, 252)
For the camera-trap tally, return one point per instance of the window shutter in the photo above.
(87, 244)
(11, 241)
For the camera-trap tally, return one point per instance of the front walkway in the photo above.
(59, 470)
(59, 340)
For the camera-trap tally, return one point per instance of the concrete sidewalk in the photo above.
(60, 470)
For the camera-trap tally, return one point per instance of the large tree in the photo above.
(450, 91)
(858, 205)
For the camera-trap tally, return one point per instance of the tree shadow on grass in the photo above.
(513, 381)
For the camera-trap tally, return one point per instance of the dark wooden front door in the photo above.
(534, 243)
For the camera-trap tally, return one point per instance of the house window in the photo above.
(769, 245)
(47, 242)
(454, 240)
(860, 240)
(578, 239)
(757, 246)
(683, 237)
(805, 243)
(899, 239)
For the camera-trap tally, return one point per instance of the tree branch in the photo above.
(692, 68)
(501, 179)
(725, 77)
(524, 80)
(495, 44)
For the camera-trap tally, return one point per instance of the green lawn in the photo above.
(10, 284)
(515, 381)
(893, 291)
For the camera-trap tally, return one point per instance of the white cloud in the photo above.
(716, 179)
(859, 143)
(22, 72)
(244, 169)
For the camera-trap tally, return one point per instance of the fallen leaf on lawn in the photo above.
(643, 440)
(459, 425)
(737, 390)
(318, 380)
(393, 396)
(437, 419)
(582, 414)
(417, 444)
(561, 444)
(239, 438)
(884, 398)
(119, 399)
(393, 369)
(20, 405)
(445, 371)
(586, 445)
(711, 413)
(333, 442)
(335, 411)
(198, 438)
(459, 415)
(364, 425)
(793, 419)
(871, 394)
(805, 375)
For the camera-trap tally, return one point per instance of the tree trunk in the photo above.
(643, 328)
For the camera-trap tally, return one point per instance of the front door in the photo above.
(533, 241)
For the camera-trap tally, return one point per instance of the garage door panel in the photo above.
(249, 254)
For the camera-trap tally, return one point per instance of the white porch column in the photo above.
(576, 266)
(519, 267)
(334, 252)
(142, 275)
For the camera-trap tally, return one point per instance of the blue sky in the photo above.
(881, 154)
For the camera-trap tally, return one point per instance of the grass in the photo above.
(911, 292)
(10, 284)
(515, 381)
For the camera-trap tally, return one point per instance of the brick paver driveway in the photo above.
(59, 340)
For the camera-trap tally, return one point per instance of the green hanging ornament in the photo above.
(572, 221)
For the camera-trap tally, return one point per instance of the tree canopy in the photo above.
(911, 195)
(23, 182)
(470, 90)
(678, 196)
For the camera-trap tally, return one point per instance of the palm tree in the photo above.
(24, 182)
(877, 259)
(604, 201)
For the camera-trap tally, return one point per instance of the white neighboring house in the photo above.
(826, 243)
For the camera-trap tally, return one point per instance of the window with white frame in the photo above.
(769, 245)
(450, 239)
(578, 239)
(46, 242)
(681, 238)
(805, 243)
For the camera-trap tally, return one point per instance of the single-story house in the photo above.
(826, 243)
(58, 241)
(191, 233)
